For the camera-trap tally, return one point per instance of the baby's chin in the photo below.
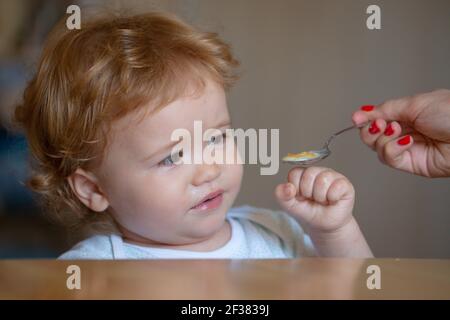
(209, 239)
(201, 235)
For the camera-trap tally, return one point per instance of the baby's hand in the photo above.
(319, 198)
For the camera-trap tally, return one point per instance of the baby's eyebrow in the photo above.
(167, 147)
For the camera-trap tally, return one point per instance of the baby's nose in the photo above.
(206, 173)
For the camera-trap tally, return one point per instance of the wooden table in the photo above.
(309, 278)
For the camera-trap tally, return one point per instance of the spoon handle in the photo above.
(342, 131)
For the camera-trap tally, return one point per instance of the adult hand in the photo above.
(410, 134)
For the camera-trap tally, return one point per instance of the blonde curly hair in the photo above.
(88, 78)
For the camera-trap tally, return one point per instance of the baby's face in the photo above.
(153, 198)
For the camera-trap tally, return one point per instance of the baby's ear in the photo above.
(85, 186)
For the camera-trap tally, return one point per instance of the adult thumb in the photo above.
(391, 110)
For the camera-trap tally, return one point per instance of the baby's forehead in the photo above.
(207, 105)
(152, 127)
(150, 130)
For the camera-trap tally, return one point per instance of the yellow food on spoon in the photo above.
(302, 155)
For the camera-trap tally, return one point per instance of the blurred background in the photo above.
(306, 66)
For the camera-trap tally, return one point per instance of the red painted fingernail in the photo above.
(374, 128)
(389, 130)
(404, 141)
(367, 108)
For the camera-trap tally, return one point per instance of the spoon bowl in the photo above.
(316, 156)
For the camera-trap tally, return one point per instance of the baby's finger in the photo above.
(392, 132)
(308, 178)
(284, 192)
(369, 134)
(394, 151)
(322, 183)
(340, 189)
(295, 175)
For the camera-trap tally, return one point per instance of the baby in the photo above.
(99, 116)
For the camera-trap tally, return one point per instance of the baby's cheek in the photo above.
(234, 175)
(159, 207)
(154, 195)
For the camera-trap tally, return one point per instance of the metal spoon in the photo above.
(309, 157)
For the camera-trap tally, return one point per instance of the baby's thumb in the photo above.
(285, 194)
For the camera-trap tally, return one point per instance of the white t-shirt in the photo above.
(256, 233)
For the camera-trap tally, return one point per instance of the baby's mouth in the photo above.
(209, 199)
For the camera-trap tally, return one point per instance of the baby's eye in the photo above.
(219, 139)
(172, 159)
